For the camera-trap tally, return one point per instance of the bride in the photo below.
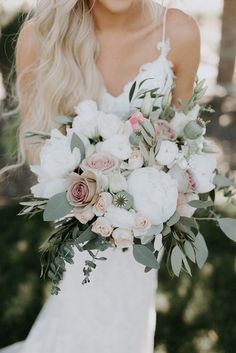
(72, 50)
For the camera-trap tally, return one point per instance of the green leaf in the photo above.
(145, 256)
(222, 181)
(186, 264)
(149, 127)
(63, 120)
(174, 219)
(144, 151)
(86, 235)
(189, 251)
(176, 260)
(200, 204)
(145, 135)
(166, 230)
(189, 222)
(228, 227)
(201, 250)
(57, 207)
(132, 90)
(77, 142)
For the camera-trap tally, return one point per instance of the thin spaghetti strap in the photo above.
(164, 27)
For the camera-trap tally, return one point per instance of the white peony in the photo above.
(198, 177)
(119, 217)
(183, 208)
(167, 153)
(118, 145)
(86, 122)
(109, 125)
(180, 120)
(155, 194)
(56, 162)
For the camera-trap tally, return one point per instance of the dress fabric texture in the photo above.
(115, 313)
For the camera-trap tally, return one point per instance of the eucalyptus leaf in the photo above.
(189, 251)
(144, 151)
(174, 219)
(201, 250)
(222, 181)
(186, 264)
(145, 256)
(149, 127)
(228, 227)
(132, 90)
(57, 207)
(145, 135)
(176, 260)
(86, 235)
(63, 120)
(166, 230)
(77, 142)
(200, 204)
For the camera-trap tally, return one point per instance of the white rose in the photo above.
(102, 226)
(118, 145)
(89, 150)
(56, 162)
(117, 182)
(183, 208)
(155, 194)
(119, 217)
(102, 204)
(123, 238)
(83, 216)
(202, 169)
(167, 153)
(109, 125)
(180, 120)
(135, 160)
(86, 122)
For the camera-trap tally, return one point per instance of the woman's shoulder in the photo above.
(27, 45)
(182, 28)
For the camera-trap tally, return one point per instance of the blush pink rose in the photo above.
(102, 204)
(183, 208)
(162, 127)
(83, 216)
(100, 161)
(123, 238)
(84, 190)
(142, 224)
(102, 227)
(135, 119)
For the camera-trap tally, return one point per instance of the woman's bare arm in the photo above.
(185, 52)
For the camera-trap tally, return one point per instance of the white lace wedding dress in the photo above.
(115, 313)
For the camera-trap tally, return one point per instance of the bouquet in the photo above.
(137, 183)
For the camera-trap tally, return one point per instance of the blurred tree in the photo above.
(228, 43)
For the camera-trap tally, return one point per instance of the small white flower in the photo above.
(183, 208)
(167, 153)
(118, 145)
(109, 125)
(86, 122)
(117, 182)
(119, 217)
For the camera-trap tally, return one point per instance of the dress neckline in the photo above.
(164, 46)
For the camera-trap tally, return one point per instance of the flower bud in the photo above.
(147, 105)
(193, 130)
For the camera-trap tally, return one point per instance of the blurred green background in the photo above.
(194, 315)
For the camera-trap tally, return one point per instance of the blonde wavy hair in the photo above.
(66, 71)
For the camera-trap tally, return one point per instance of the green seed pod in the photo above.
(193, 130)
(123, 200)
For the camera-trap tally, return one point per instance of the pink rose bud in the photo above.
(135, 118)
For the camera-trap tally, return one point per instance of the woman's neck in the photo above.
(129, 19)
